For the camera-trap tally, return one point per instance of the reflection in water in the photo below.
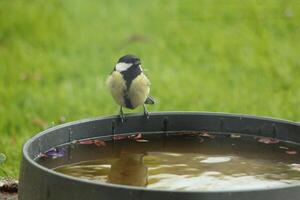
(129, 169)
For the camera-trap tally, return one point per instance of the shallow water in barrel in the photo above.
(182, 161)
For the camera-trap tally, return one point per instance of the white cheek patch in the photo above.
(140, 66)
(120, 67)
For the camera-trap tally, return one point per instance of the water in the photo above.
(184, 161)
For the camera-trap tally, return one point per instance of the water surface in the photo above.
(183, 161)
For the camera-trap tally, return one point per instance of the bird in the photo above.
(129, 86)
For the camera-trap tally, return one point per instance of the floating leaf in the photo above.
(2, 158)
(196, 133)
(206, 134)
(138, 136)
(86, 142)
(132, 136)
(120, 137)
(54, 153)
(135, 136)
(266, 140)
(291, 152)
(75, 142)
(42, 155)
(99, 143)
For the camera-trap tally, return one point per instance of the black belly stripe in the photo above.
(130, 74)
(127, 101)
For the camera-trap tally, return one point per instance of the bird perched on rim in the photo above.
(128, 85)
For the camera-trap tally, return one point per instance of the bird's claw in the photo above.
(122, 117)
(146, 113)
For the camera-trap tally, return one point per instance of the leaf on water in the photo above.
(54, 153)
(120, 137)
(75, 142)
(85, 142)
(266, 140)
(206, 134)
(99, 143)
(291, 152)
(141, 140)
(2, 158)
(42, 155)
(138, 136)
(135, 136)
(196, 133)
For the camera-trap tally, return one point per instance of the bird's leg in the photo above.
(146, 114)
(122, 114)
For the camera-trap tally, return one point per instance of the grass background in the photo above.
(203, 55)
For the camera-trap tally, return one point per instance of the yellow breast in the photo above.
(117, 87)
(137, 93)
(139, 90)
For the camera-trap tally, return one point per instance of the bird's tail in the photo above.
(150, 100)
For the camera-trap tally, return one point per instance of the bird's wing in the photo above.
(150, 100)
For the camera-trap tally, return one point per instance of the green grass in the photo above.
(209, 55)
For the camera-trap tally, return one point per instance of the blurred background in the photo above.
(201, 55)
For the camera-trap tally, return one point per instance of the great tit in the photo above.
(128, 85)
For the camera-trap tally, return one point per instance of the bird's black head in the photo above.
(130, 59)
(128, 63)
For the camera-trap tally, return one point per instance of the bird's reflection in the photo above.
(129, 169)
